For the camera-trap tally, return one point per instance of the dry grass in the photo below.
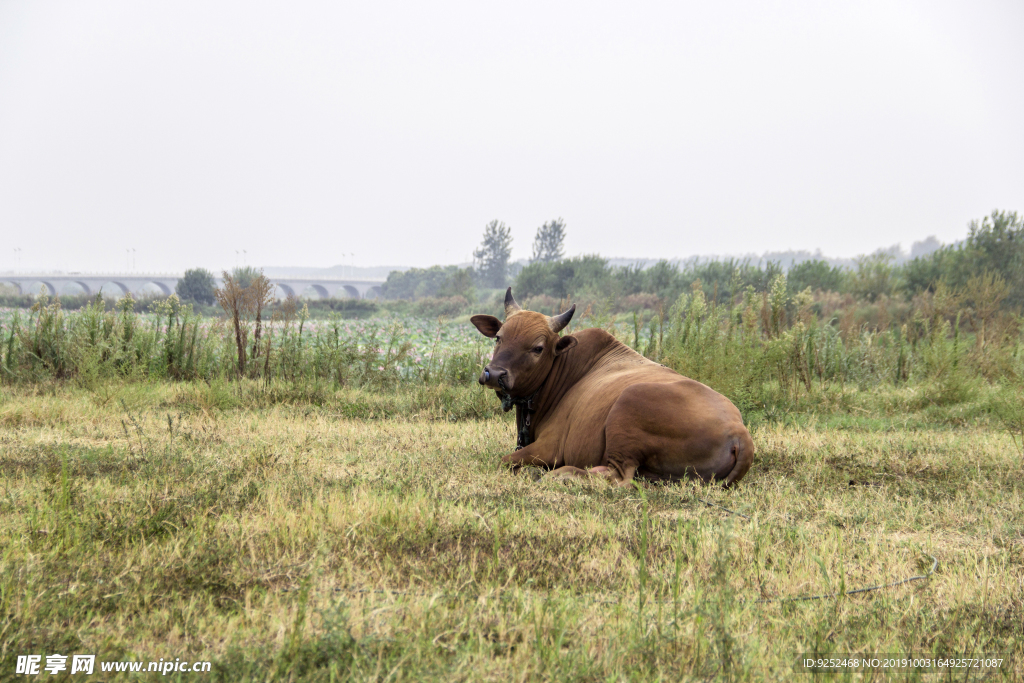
(284, 539)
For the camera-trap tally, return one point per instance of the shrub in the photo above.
(437, 281)
(640, 302)
(197, 286)
(816, 274)
(449, 306)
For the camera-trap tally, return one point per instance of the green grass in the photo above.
(293, 532)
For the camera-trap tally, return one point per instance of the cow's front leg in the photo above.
(531, 456)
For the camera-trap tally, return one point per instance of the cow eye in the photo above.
(538, 349)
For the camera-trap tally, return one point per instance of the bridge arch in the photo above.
(154, 288)
(35, 287)
(13, 285)
(349, 291)
(373, 293)
(113, 288)
(75, 288)
(283, 291)
(320, 291)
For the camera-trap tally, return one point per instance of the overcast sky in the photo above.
(306, 132)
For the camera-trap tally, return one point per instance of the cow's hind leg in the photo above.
(608, 474)
(672, 431)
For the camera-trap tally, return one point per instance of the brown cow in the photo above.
(588, 405)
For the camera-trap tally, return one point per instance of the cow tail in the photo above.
(743, 457)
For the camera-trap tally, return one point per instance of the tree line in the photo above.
(492, 269)
(492, 265)
(993, 248)
(993, 251)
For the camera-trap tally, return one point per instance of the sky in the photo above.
(390, 133)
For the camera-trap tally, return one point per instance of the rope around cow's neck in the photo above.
(525, 409)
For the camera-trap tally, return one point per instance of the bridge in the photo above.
(142, 285)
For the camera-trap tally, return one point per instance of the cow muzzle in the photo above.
(496, 378)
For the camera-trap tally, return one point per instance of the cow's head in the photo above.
(525, 347)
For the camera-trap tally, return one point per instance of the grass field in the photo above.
(340, 534)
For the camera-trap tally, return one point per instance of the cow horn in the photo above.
(510, 304)
(559, 321)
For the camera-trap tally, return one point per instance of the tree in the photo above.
(568, 277)
(816, 274)
(245, 275)
(493, 255)
(459, 283)
(197, 285)
(986, 292)
(876, 275)
(544, 278)
(995, 244)
(417, 283)
(547, 245)
(663, 279)
(244, 304)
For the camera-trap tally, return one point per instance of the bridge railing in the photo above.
(173, 276)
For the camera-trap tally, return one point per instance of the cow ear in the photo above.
(564, 344)
(487, 324)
